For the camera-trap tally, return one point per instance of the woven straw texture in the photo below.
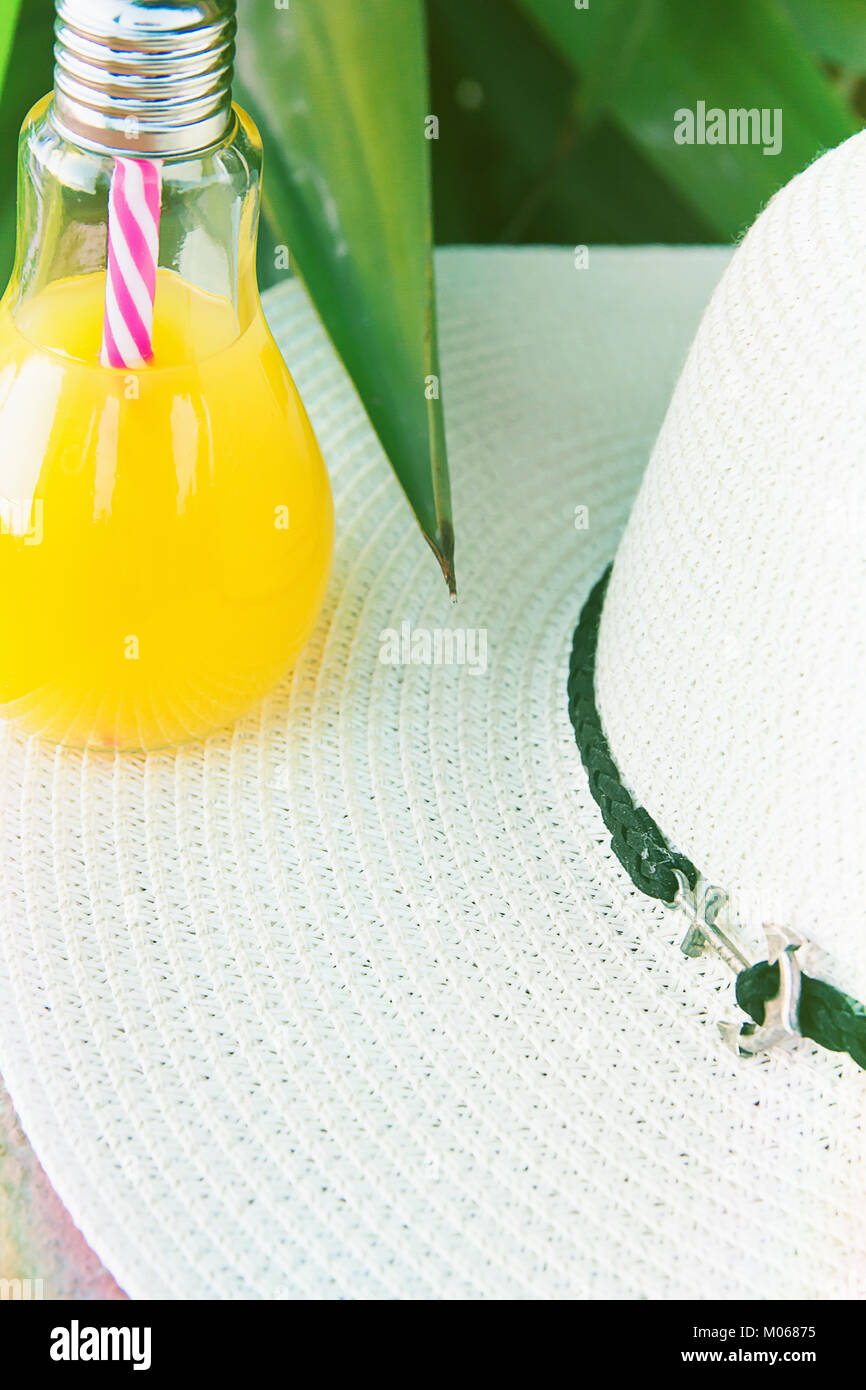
(746, 649)
(354, 1001)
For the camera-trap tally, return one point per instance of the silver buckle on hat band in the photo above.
(703, 905)
(781, 1026)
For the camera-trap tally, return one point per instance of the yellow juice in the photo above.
(166, 534)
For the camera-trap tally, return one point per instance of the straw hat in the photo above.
(356, 999)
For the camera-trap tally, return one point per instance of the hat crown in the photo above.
(731, 663)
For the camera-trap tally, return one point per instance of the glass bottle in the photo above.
(166, 530)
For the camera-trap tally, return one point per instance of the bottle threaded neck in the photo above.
(147, 77)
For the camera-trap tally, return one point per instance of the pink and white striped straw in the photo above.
(134, 200)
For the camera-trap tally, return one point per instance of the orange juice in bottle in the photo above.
(166, 526)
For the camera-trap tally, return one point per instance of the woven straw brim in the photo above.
(353, 1001)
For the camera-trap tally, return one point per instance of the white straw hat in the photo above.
(356, 999)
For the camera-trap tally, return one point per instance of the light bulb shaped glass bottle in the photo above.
(166, 533)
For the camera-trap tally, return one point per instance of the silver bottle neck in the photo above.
(144, 77)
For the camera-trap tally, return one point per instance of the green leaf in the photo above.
(339, 90)
(28, 77)
(834, 28)
(646, 59)
(8, 19)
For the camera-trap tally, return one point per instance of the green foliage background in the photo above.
(570, 137)
(556, 122)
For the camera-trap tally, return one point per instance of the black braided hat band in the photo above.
(826, 1015)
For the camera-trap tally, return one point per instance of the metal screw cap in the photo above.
(149, 77)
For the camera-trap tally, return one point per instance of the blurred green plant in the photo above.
(8, 20)
(560, 120)
(27, 78)
(555, 124)
(642, 60)
(834, 29)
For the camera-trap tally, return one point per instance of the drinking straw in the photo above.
(133, 252)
